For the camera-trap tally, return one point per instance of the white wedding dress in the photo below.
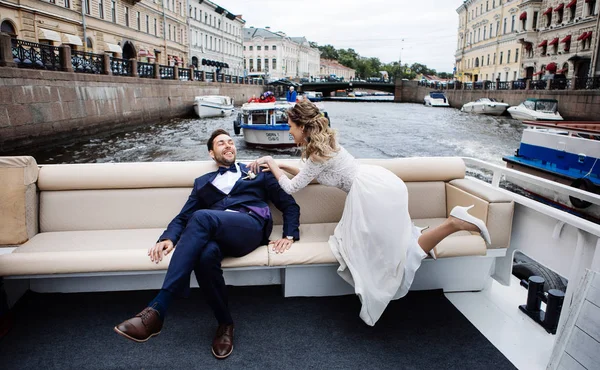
(375, 242)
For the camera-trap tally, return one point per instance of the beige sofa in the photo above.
(86, 227)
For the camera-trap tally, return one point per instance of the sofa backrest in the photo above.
(149, 195)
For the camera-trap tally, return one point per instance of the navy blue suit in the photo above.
(204, 233)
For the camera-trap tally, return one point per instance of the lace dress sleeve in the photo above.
(303, 178)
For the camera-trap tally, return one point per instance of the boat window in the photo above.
(546, 106)
(437, 95)
(529, 104)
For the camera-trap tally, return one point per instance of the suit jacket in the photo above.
(248, 194)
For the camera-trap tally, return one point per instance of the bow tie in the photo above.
(231, 168)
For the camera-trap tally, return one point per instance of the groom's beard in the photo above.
(224, 162)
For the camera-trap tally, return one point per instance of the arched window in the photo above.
(7, 27)
(195, 62)
(476, 62)
(89, 44)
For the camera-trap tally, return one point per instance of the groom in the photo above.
(225, 215)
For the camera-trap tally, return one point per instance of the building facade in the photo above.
(274, 55)
(333, 67)
(559, 36)
(215, 34)
(147, 30)
(487, 45)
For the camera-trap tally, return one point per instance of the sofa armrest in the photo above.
(18, 200)
(492, 206)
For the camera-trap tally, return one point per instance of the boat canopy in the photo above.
(536, 100)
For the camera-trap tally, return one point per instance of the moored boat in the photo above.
(534, 109)
(314, 96)
(565, 152)
(485, 106)
(213, 106)
(436, 99)
(265, 124)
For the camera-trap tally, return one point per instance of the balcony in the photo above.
(528, 36)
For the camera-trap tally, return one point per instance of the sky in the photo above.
(414, 31)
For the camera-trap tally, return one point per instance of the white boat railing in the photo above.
(563, 242)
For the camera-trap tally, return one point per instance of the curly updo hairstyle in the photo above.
(320, 141)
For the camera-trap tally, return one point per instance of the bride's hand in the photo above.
(260, 164)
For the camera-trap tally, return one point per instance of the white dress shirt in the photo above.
(226, 181)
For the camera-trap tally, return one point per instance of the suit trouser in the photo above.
(209, 236)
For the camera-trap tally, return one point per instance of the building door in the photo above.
(129, 51)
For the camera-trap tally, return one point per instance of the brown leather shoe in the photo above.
(223, 343)
(142, 327)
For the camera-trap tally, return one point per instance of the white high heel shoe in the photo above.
(462, 214)
(431, 252)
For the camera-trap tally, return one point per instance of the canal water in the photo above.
(365, 129)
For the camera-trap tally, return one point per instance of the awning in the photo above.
(562, 71)
(551, 67)
(543, 43)
(572, 4)
(566, 39)
(582, 36)
(145, 54)
(113, 48)
(548, 11)
(553, 42)
(523, 16)
(528, 46)
(589, 35)
(71, 39)
(44, 34)
(559, 7)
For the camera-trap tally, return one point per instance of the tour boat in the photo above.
(485, 106)
(213, 106)
(436, 99)
(534, 109)
(266, 124)
(566, 152)
(314, 96)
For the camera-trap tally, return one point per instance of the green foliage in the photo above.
(371, 67)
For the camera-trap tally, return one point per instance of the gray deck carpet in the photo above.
(74, 331)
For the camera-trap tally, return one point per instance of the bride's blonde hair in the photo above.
(320, 141)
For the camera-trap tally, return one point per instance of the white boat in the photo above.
(534, 109)
(213, 106)
(436, 99)
(265, 124)
(314, 96)
(485, 106)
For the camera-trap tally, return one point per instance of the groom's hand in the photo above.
(159, 250)
(280, 245)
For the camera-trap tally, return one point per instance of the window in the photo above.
(155, 33)
(488, 61)
(516, 55)
(274, 47)
(504, 29)
(535, 20)
(508, 57)
(101, 9)
(113, 10)
(512, 24)
(245, 64)
(266, 47)
(205, 18)
(67, 3)
(572, 13)
(89, 44)
(251, 65)
(506, 77)
(479, 35)
(494, 62)
(501, 56)
(147, 23)
(548, 17)
(169, 32)
(559, 14)
(87, 7)
(476, 62)
(266, 64)
(497, 28)
(487, 5)
(258, 65)
(244, 47)
(491, 31)
(274, 64)
(484, 29)
(250, 47)
(514, 75)
(127, 16)
(258, 47)
(139, 21)
(591, 7)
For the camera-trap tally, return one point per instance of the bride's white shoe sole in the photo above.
(462, 214)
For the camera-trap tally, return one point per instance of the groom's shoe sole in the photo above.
(133, 339)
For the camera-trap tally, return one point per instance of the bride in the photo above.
(377, 245)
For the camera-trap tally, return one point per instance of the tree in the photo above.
(313, 44)
(328, 52)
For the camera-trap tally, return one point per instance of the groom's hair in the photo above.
(214, 134)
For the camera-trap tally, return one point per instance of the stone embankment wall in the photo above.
(40, 107)
(576, 105)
